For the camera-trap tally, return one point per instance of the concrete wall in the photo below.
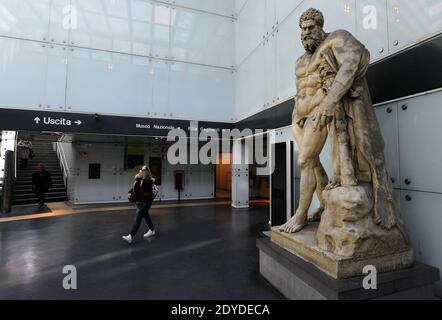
(157, 59)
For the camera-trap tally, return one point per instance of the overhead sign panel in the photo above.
(11, 119)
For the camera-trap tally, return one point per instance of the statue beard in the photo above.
(311, 43)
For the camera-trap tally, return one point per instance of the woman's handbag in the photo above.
(131, 196)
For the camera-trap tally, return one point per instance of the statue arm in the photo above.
(350, 60)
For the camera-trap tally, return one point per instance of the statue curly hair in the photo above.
(312, 14)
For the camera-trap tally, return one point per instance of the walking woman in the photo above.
(144, 194)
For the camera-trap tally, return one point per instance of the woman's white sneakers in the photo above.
(149, 234)
(128, 239)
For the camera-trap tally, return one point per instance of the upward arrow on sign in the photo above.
(37, 120)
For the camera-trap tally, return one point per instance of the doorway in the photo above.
(223, 179)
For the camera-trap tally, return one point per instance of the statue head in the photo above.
(312, 24)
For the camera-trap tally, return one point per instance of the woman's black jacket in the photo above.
(143, 190)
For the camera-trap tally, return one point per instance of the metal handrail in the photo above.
(63, 162)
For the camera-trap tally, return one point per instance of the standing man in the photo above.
(24, 148)
(41, 182)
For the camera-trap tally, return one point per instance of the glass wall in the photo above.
(124, 57)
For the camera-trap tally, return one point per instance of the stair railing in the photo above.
(63, 162)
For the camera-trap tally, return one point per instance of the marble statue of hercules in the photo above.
(320, 112)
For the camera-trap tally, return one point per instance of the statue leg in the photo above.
(347, 168)
(311, 146)
(321, 184)
(320, 174)
(336, 179)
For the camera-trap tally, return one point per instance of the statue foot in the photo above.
(315, 217)
(333, 185)
(295, 224)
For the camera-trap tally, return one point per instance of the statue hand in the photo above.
(323, 116)
(301, 123)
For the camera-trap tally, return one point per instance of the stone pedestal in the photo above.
(297, 279)
(347, 238)
(305, 245)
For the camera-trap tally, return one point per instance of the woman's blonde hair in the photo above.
(148, 172)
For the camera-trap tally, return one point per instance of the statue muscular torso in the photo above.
(309, 86)
(313, 77)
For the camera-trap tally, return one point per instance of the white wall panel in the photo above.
(128, 26)
(161, 106)
(411, 21)
(201, 93)
(142, 27)
(388, 121)
(125, 180)
(95, 29)
(109, 83)
(256, 84)
(250, 28)
(288, 51)
(28, 19)
(269, 68)
(202, 38)
(111, 158)
(56, 78)
(371, 27)
(199, 182)
(162, 19)
(222, 7)
(422, 216)
(251, 90)
(284, 8)
(23, 66)
(420, 143)
(239, 5)
(59, 21)
(101, 190)
(270, 17)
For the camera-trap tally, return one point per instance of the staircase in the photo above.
(22, 192)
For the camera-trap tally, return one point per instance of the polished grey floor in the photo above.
(199, 253)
